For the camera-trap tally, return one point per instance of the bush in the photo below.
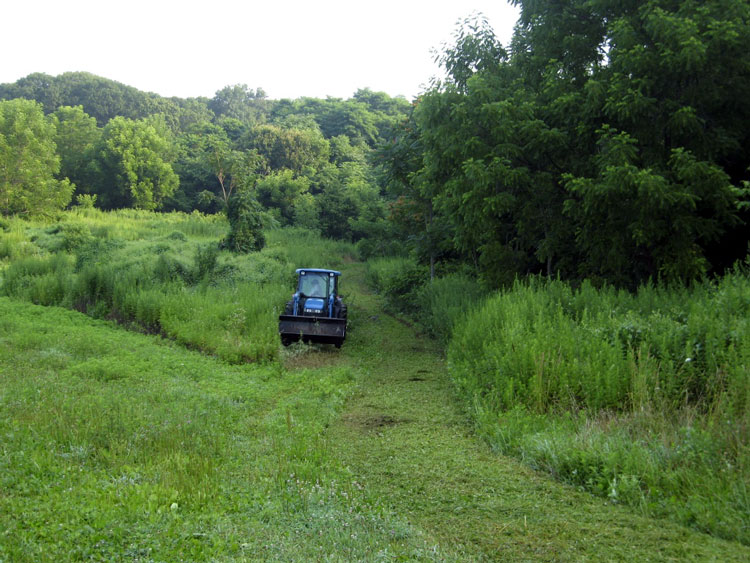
(245, 224)
(75, 235)
(399, 280)
(86, 201)
(445, 301)
(205, 260)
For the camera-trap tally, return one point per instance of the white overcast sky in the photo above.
(288, 48)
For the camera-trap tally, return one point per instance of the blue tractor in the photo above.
(316, 312)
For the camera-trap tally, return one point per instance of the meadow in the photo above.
(149, 411)
(152, 272)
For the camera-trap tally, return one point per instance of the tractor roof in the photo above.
(318, 271)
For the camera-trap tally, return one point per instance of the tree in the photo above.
(28, 162)
(235, 170)
(241, 103)
(413, 213)
(610, 142)
(300, 150)
(76, 134)
(285, 194)
(669, 152)
(132, 165)
(37, 86)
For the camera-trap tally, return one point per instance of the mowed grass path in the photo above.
(404, 437)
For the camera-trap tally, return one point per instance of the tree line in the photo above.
(82, 138)
(609, 140)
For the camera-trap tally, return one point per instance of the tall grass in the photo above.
(164, 273)
(545, 346)
(437, 305)
(644, 399)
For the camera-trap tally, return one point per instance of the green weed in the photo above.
(163, 273)
(637, 398)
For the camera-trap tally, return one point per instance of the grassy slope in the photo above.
(115, 445)
(403, 435)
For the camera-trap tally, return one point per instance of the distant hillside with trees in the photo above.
(608, 141)
(97, 141)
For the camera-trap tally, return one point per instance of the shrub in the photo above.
(245, 234)
(75, 235)
(399, 280)
(86, 201)
(177, 235)
(205, 260)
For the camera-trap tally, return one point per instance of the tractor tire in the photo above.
(289, 308)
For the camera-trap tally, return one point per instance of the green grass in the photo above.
(410, 444)
(124, 446)
(164, 273)
(184, 431)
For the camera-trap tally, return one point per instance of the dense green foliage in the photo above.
(155, 271)
(28, 162)
(131, 165)
(306, 161)
(609, 141)
(245, 224)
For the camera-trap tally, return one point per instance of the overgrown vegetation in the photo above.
(161, 274)
(642, 398)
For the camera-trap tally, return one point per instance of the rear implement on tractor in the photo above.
(316, 312)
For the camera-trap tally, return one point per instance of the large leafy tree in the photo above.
(611, 140)
(76, 134)
(28, 162)
(193, 166)
(662, 184)
(241, 103)
(284, 194)
(132, 165)
(298, 150)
